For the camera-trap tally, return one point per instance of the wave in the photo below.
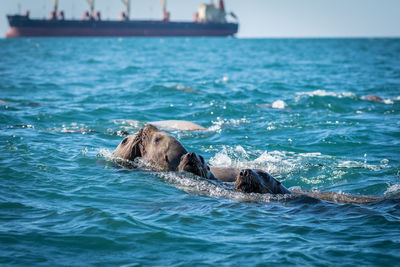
(220, 124)
(326, 93)
(275, 162)
(392, 190)
(269, 161)
(196, 185)
(340, 95)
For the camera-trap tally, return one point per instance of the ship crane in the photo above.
(55, 6)
(166, 14)
(53, 14)
(91, 5)
(127, 4)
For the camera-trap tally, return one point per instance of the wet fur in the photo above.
(258, 181)
(194, 163)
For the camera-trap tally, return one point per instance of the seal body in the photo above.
(258, 181)
(372, 98)
(179, 125)
(194, 163)
(339, 197)
(161, 150)
(171, 125)
(225, 174)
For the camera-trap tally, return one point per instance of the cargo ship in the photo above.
(209, 20)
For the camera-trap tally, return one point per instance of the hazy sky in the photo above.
(258, 18)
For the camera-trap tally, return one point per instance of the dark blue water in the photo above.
(294, 108)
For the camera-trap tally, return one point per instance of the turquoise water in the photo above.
(294, 108)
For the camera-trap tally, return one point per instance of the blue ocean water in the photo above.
(292, 107)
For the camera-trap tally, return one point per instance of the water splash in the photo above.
(392, 190)
(326, 93)
(196, 185)
(279, 104)
(220, 124)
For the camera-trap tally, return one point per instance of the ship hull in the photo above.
(21, 26)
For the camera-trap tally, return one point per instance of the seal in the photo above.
(161, 150)
(225, 174)
(194, 163)
(258, 181)
(372, 98)
(171, 125)
(179, 125)
(246, 181)
(340, 197)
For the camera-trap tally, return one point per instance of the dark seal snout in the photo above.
(247, 181)
(188, 163)
(245, 173)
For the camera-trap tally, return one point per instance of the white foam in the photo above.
(73, 127)
(27, 126)
(128, 125)
(349, 164)
(241, 150)
(274, 162)
(221, 159)
(107, 154)
(195, 185)
(224, 79)
(279, 104)
(314, 169)
(384, 164)
(137, 163)
(219, 124)
(326, 93)
(84, 151)
(313, 155)
(393, 189)
(388, 101)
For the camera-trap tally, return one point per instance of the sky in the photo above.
(257, 18)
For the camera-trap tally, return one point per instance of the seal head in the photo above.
(160, 149)
(194, 163)
(258, 181)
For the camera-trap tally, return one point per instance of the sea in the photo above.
(300, 109)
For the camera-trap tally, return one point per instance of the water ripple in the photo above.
(298, 109)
